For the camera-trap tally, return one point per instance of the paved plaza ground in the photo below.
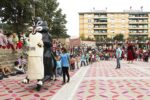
(98, 81)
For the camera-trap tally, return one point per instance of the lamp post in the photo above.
(34, 7)
(1, 23)
(45, 1)
(112, 40)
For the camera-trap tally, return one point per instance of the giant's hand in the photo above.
(39, 45)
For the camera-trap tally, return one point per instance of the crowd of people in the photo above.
(13, 41)
(68, 59)
(19, 67)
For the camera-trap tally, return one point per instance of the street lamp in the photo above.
(34, 7)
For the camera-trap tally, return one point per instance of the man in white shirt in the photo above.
(118, 56)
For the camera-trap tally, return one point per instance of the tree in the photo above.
(82, 36)
(58, 24)
(15, 13)
(119, 37)
(55, 19)
(109, 39)
(18, 12)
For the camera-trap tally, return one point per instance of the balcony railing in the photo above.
(99, 33)
(138, 22)
(138, 27)
(100, 26)
(97, 22)
(138, 33)
(138, 16)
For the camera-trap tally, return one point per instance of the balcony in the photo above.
(100, 27)
(132, 27)
(99, 22)
(138, 22)
(99, 33)
(138, 16)
(100, 15)
(138, 34)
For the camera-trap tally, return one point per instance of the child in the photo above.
(72, 63)
(58, 67)
(22, 61)
(65, 65)
(19, 69)
(83, 60)
(5, 70)
(77, 61)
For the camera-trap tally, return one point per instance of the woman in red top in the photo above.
(130, 54)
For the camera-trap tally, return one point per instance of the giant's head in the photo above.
(40, 25)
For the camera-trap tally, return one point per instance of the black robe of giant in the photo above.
(47, 55)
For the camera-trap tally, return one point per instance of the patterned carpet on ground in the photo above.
(103, 82)
(107, 69)
(113, 90)
(112, 72)
(13, 89)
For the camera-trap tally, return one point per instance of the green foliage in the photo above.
(89, 39)
(17, 13)
(82, 37)
(58, 24)
(139, 38)
(119, 37)
(101, 38)
(109, 39)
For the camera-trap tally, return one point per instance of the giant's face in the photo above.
(40, 25)
(36, 21)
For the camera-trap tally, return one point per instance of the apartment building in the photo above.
(104, 24)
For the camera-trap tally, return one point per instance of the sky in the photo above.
(72, 8)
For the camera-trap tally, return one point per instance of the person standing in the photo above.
(25, 41)
(77, 61)
(58, 71)
(83, 60)
(3, 39)
(65, 65)
(87, 56)
(118, 57)
(130, 53)
(15, 40)
(72, 62)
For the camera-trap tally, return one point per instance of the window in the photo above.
(112, 15)
(112, 25)
(89, 26)
(123, 26)
(122, 15)
(89, 20)
(123, 20)
(89, 16)
(112, 31)
(89, 31)
(123, 31)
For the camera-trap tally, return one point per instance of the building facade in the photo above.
(102, 24)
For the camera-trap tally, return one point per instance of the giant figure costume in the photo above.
(47, 55)
(47, 58)
(35, 57)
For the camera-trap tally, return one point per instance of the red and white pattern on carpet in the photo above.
(13, 89)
